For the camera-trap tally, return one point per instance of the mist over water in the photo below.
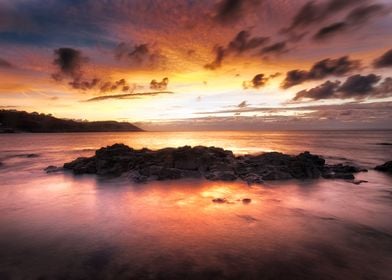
(60, 226)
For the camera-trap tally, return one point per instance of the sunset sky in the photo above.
(187, 64)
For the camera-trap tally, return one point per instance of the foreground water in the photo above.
(58, 226)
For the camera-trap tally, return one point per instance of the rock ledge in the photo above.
(210, 163)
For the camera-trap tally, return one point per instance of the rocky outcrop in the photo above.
(386, 167)
(206, 162)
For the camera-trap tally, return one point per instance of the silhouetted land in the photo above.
(21, 121)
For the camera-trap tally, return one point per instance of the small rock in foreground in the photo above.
(386, 167)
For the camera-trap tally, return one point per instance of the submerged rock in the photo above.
(52, 169)
(246, 200)
(219, 200)
(209, 162)
(386, 167)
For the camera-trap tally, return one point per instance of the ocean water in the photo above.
(60, 226)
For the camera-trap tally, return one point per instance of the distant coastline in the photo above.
(13, 121)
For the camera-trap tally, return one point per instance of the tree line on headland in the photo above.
(20, 121)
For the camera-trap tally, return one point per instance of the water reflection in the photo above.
(59, 226)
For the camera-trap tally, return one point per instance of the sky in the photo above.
(200, 65)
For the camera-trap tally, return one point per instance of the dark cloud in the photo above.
(277, 48)
(243, 104)
(230, 11)
(277, 74)
(241, 43)
(121, 84)
(258, 81)
(313, 12)
(5, 64)
(139, 55)
(244, 42)
(357, 87)
(84, 84)
(219, 56)
(384, 89)
(384, 61)
(356, 17)
(323, 91)
(320, 70)
(70, 64)
(330, 30)
(127, 95)
(162, 85)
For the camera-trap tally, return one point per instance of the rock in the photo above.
(221, 176)
(169, 174)
(211, 163)
(136, 177)
(52, 169)
(386, 167)
(32, 155)
(252, 178)
(384, 144)
(358, 182)
(246, 200)
(219, 200)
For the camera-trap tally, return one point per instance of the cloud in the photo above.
(70, 65)
(121, 84)
(219, 56)
(5, 64)
(139, 55)
(323, 91)
(127, 95)
(162, 85)
(241, 43)
(243, 104)
(320, 70)
(258, 81)
(384, 61)
(357, 87)
(277, 48)
(244, 42)
(356, 17)
(69, 62)
(330, 30)
(230, 11)
(312, 13)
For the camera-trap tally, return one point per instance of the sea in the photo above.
(62, 226)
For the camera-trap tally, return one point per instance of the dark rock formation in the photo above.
(206, 162)
(53, 169)
(386, 167)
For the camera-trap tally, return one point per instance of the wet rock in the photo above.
(32, 155)
(219, 200)
(252, 178)
(209, 162)
(52, 169)
(221, 176)
(386, 167)
(358, 182)
(246, 200)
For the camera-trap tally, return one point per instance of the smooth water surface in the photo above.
(58, 226)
